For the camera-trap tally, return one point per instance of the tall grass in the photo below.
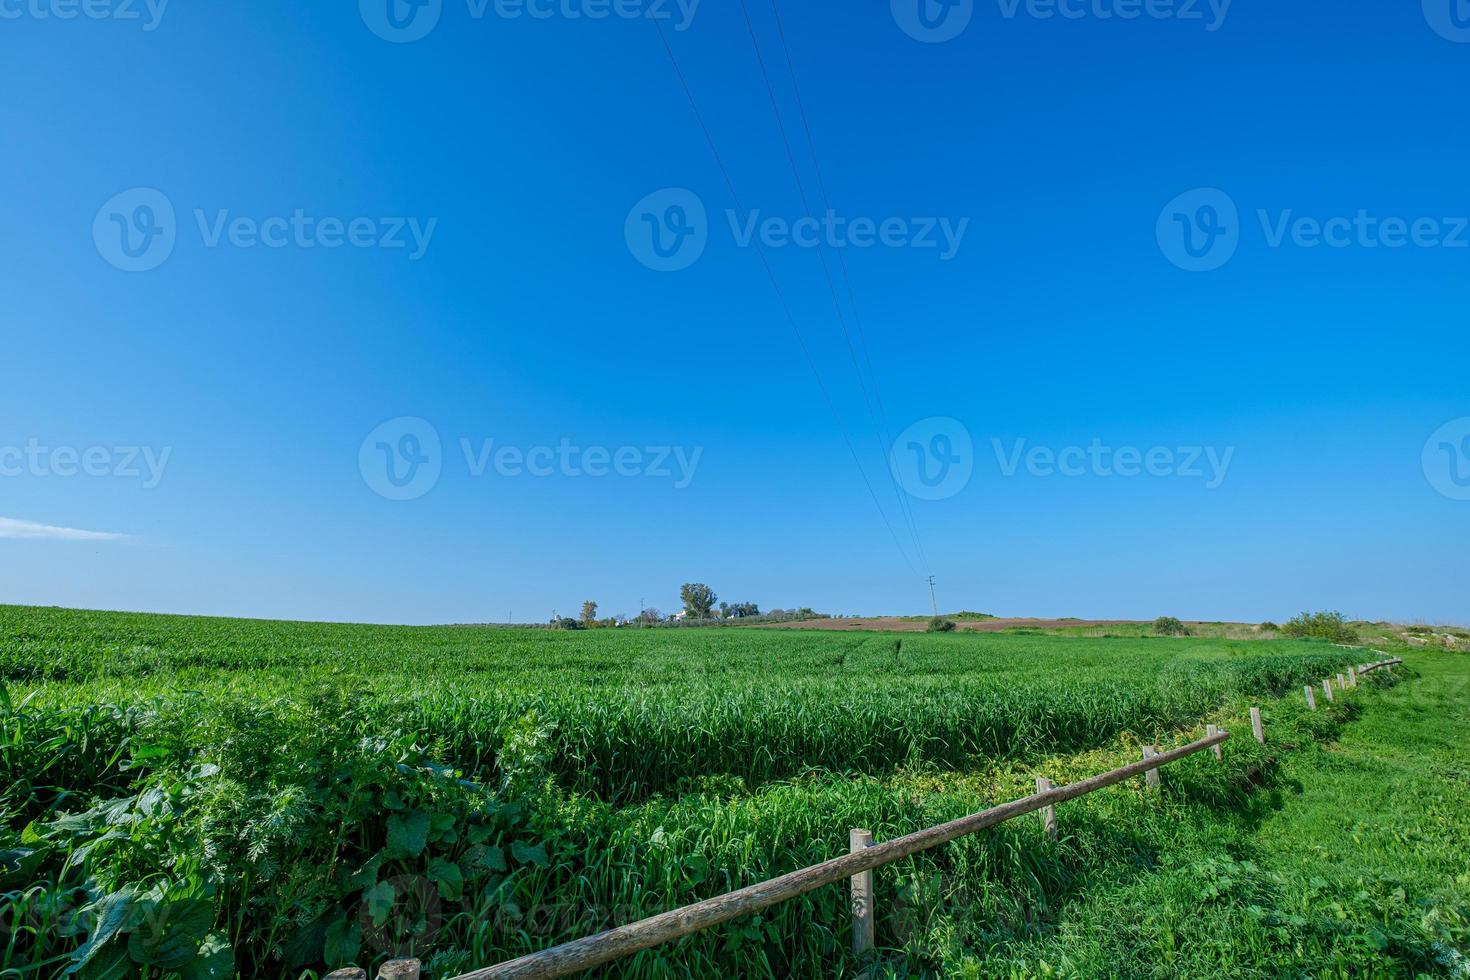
(215, 797)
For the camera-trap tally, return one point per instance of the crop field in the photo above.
(209, 798)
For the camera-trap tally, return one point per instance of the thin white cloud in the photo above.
(31, 531)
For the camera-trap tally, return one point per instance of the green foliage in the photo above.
(1170, 626)
(698, 598)
(1269, 626)
(940, 625)
(331, 794)
(1321, 626)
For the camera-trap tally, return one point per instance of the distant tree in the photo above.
(1170, 626)
(589, 611)
(649, 617)
(567, 623)
(1322, 626)
(698, 598)
(940, 625)
(738, 610)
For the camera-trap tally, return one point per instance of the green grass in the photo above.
(289, 797)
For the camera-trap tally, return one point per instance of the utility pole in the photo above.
(932, 601)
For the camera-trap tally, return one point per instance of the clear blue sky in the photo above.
(520, 146)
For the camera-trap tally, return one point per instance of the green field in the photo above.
(208, 797)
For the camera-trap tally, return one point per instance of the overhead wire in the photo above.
(878, 419)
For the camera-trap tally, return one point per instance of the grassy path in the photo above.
(1356, 865)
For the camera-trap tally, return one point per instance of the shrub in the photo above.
(1321, 626)
(1170, 626)
(940, 625)
(1268, 625)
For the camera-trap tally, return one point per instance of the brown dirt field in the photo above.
(896, 624)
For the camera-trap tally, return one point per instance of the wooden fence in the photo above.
(856, 867)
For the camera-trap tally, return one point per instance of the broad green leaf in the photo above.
(408, 833)
(379, 900)
(111, 962)
(529, 853)
(109, 914)
(171, 934)
(214, 961)
(448, 877)
(343, 943)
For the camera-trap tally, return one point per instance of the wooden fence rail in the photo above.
(583, 954)
(856, 866)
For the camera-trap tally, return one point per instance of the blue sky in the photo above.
(454, 237)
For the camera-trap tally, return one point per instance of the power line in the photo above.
(886, 441)
(780, 295)
(879, 431)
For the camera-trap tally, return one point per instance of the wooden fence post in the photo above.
(1049, 813)
(1341, 683)
(1311, 700)
(1352, 677)
(406, 969)
(347, 973)
(1256, 728)
(1152, 776)
(862, 896)
(1327, 688)
(1210, 732)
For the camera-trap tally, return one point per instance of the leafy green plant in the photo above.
(1321, 626)
(940, 625)
(1170, 626)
